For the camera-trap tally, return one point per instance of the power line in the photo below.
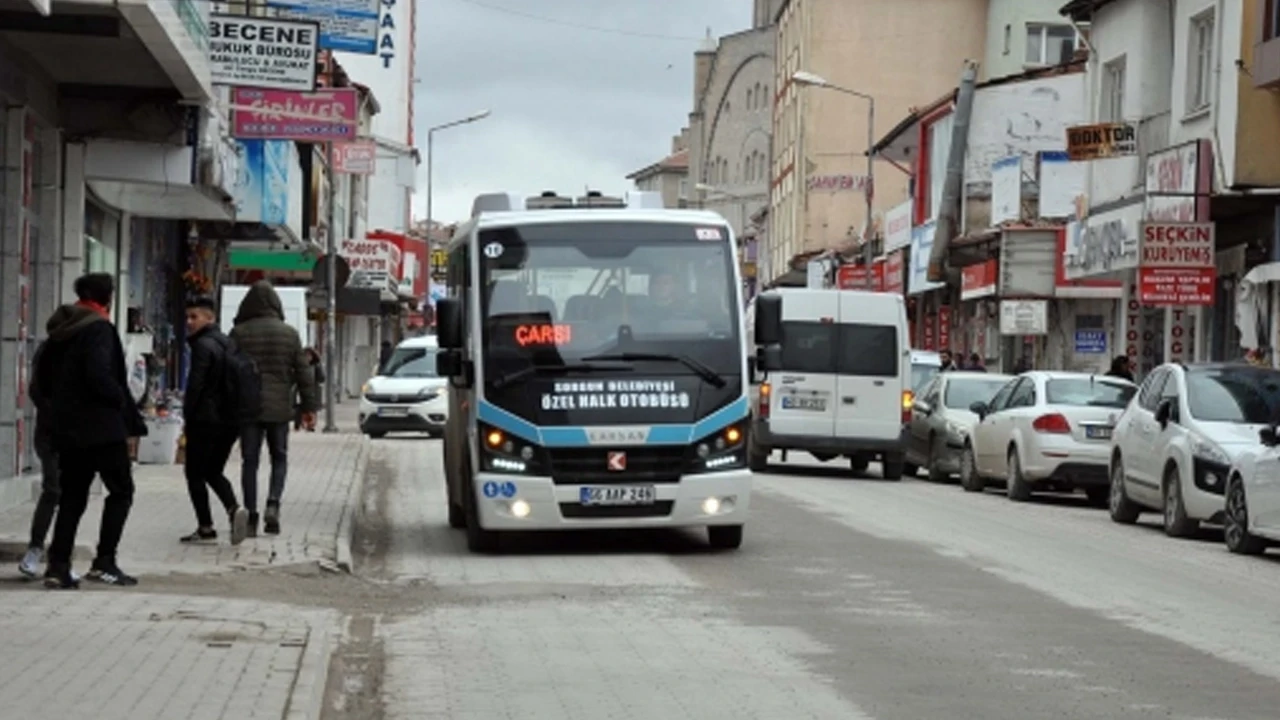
(577, 25)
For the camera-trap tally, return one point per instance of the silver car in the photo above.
(941, 419)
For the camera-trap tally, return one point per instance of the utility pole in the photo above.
(331, 311)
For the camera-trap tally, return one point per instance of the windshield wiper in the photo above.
(530, 370)
(702, 371)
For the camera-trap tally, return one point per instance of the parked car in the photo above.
(941, 419)
(406, 395)
(1176, 444)
(1046, 431)
(1252, 513)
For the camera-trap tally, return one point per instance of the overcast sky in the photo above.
(571, 106)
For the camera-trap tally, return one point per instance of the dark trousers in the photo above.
(252, 436)
(50, 493)
(79, 465)
(208, 447)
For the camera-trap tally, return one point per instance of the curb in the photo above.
(306, 699)
(346, 525)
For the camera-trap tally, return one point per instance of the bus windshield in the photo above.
(560, 293)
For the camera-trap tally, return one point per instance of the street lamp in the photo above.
(431, 133)
(808, 79)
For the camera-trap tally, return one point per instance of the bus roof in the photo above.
(489, 220)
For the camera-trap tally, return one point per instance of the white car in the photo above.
(1177, 441)
(1046, 431)
(406, 395)
(1252, 514)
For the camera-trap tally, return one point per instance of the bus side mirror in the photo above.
(448, 363)
(769, 358)
(449, 324)
(768, 330)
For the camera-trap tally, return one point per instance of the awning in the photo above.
(152, 180)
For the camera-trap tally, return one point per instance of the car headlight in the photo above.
(1209, 451)
(504, 453)
(724, 449)
(364, 390)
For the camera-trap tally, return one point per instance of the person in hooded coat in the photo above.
(83, 372)
(262, 334)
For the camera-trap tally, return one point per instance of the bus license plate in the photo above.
(618, 495)
(804, 403)
(1095, 432)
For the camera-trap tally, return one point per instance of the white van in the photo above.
(844, 387)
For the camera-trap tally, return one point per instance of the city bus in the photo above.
(597, 369)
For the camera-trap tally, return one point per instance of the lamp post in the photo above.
(431, 134)
(808, 79)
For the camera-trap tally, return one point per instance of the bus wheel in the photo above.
(479, 540)
(725, 537)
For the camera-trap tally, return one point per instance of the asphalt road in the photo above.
(851, 598)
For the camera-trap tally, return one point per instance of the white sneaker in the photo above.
(31, 562)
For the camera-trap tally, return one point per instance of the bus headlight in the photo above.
(722, 450)
(505, 453)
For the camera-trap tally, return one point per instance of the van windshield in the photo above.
(840, 349)
(411, 363)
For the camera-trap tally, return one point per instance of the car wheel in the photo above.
(1176, 522)
(1017, 488)
(725, 537)
(969, 478)
(935, 474)
(1122, 509)
(757, 457)
(1236, 526)
(376, 434)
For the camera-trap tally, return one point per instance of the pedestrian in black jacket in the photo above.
(94, 415)
(50, 488)
(210, 427)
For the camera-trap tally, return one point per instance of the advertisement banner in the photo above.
(921, 245)
(278, 114)
(1176, 285)
(355, 158)
(894, 265)
(944, 327)
(373, 262)
(854, 277)
(897, 227)
(979, 281)
(1101, 141)
(263, 52)
(345, 25)
(261, 191)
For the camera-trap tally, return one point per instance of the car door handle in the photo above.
(848, 399)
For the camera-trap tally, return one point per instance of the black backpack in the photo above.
(241, 391)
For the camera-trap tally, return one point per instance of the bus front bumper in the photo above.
(516, 502)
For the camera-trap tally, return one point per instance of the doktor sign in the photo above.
(1176, 265)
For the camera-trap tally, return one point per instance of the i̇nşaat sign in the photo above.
(315, 117)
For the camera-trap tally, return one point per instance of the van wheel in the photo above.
(725, 537)
(859, 463)
(757, 457)
(892, 467)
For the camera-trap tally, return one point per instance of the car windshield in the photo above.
(964, 392)
(558, 293)
(1089, 392)
(921, 374)
(1237, 395)
(411, 363)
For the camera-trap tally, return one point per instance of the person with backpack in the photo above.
(210, 423)
(273, 358)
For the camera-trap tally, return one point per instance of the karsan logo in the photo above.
(618, 435)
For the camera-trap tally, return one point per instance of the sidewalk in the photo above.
(131, 654)
(322, 483)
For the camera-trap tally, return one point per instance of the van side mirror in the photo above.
(769, 358)
(1268, 436)
(449, 363)
(768, 330)
(449, 331)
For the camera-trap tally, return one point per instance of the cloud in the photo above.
(571, 107)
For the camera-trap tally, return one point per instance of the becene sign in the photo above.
(263, 52)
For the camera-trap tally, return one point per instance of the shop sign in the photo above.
(854, 277)
(376, 262)
(944, 327)
(1091, 342)
(897, 227)
(930, 334)
(1101, 141)
(1024, 317)
(1108, 243)
(1177, 183)
(1176, 285)
(1175, 244)
(977, 281)
(921, 246)
(355, 158)
(893, 266)
(387, 34)
(836, 183)
(263, 52)
(345, 25)
(323, 116)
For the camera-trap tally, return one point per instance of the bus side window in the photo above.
(459, 280)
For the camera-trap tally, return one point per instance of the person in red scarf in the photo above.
(94, 415)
